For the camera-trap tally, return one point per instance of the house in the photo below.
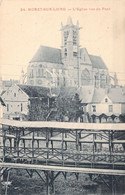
(107, 106)
(2, 104)
(18, 98)
(71, 65)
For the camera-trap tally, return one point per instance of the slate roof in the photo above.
(35, 91)
(68, 92)
(98, 95)
(47, 54)
(86, 93)
(116, 95)
(97, 62)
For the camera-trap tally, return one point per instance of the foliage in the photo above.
(70, 107)
(62, 106)
(38, 110)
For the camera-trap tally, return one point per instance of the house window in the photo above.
(14, 94)
(21, 107)
(94, 108)
(110, 108)
(7, 107)
(106, 100)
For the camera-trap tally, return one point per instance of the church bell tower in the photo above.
(70, 42)
(71, 50)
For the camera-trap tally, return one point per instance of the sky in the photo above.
(22, 31)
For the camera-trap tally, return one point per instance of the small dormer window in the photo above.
(106, 99)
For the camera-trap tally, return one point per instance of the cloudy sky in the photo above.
(23, 31)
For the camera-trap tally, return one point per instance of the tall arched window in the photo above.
(102, 80)
(40, 72)
(85, 77)
(97, 80)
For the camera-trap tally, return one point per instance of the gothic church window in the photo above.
(40, 72)
(74, 53)
(31, 73)
(102, 80)
(74, 37)
(66, 33)
(96, 80)
(65, 52)
(85, 77)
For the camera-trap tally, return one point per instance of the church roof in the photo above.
(97, 62)
(47, 54)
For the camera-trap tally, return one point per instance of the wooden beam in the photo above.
(63, 169)
(64, 125)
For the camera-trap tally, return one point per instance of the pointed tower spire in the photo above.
(77, 23)
(69, 21)
(61, 25)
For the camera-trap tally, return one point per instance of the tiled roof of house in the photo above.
(35, 91)
(47, 54)
(97, 62)
(98, 95)
(116, 95)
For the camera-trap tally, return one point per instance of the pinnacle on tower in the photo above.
(77, 23)
(69, 21)
(61, 24)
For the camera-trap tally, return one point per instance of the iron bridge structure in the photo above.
(55, 148)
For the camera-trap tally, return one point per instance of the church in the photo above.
(71, 65)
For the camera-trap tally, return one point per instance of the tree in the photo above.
(61, 108)
(39, 109)
(70, 107)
